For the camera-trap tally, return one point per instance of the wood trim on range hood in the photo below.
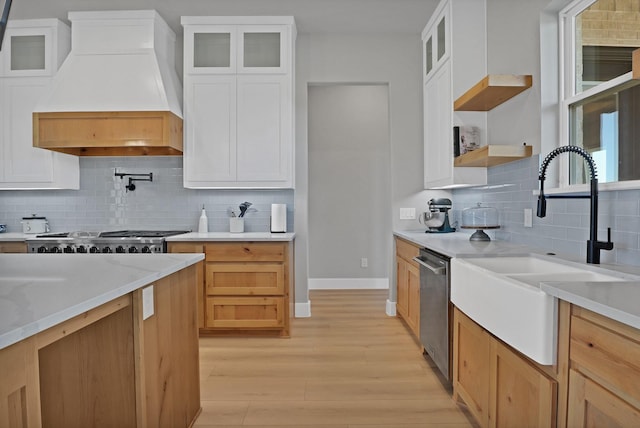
(129, 133)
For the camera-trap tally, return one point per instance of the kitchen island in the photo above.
(105, 340)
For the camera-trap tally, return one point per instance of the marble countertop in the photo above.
(458, 245)
(616, 300)
(38, 291)
(15, 236)
(227, 236)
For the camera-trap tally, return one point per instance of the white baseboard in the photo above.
(348, 283)
(390, 309)
(303, 310)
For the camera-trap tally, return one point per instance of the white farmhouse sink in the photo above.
(524, 264)
(503, 295)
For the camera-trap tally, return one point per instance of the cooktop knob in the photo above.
(55, 250)
(146, 249)
(133, 250)
(94, 250)
(68, 249)
(107, 250)
(81, 249)
(42, 249)
(119, 249)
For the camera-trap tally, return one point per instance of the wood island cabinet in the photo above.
(500, 386)
(193, 247)
(246, 286)
(408, 285)
(112, 366)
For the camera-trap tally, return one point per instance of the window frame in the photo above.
(567, 92)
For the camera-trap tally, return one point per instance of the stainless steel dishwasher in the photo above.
(434, 308)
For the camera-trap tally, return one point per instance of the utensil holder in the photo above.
(236, 224)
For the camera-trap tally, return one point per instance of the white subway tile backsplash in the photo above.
(566, 227)
(102, 203)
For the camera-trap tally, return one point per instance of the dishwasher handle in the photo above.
(437, 270)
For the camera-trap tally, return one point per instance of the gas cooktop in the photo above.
(118, 241)
(115, 234)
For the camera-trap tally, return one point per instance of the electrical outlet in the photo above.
(407, 213)
(364, 262)
(528, 217)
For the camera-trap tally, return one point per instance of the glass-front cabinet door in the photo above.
(211, 50)
(442, 38)
(428, 56)
(262, 49)
(236, 49)
(435, 47)
(27, 52)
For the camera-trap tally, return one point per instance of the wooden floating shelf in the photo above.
(493, 155)
(492, 91)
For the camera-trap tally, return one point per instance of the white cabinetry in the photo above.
(454, 58)
(238, 92)
(32, 52)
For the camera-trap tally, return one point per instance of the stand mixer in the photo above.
(437, 217)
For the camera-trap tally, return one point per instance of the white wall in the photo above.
(349, 180)
(393, 59)
(513, 39)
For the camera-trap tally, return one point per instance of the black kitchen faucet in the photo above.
(593, 245)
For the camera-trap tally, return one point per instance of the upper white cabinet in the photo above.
(238, 102)
(241, 48)
(31, 53)
(454, 59)
(435, 41)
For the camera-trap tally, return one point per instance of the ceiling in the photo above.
(312, 16)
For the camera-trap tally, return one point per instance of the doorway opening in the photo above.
(349, 186)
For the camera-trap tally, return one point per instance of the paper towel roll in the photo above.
(278, 218)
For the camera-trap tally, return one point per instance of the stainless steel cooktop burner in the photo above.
(119, 241)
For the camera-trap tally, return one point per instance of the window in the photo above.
(600, 102)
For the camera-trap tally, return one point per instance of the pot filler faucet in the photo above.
(593, 245)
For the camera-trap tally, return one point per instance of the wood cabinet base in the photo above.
(604, 377)
(408, 285)
(245, 288)
(501, 387)
(109, 367)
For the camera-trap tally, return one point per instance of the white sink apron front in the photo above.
(503, 295)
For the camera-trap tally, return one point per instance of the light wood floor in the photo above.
(348, 366)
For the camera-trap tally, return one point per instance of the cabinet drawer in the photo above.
(245, 312)
(264, 279)
(246, 252)
(609, 358)
(407, 251)
(184, 247)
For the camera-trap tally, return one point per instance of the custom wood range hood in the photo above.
(117, 93)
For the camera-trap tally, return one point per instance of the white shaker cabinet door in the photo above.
(438, 132)
(24, 166)
(210, 132)
(264, 130)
